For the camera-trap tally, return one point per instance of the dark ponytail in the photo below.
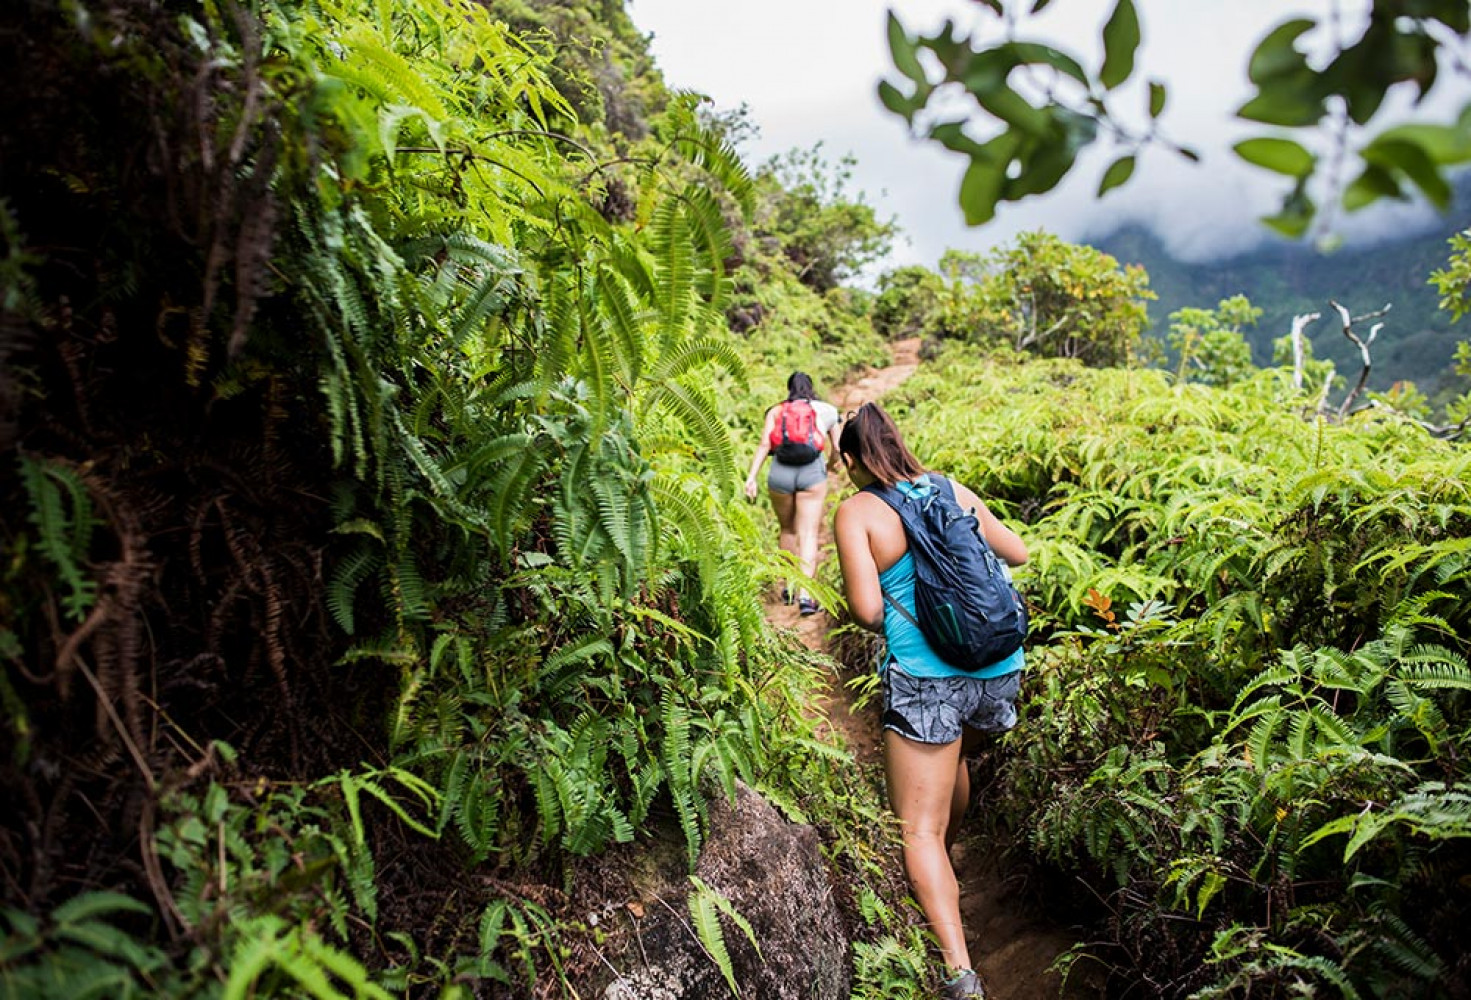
(799, 386)
(871, 438)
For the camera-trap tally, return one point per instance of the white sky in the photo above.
(809, 69)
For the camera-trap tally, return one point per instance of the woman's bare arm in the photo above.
(860, 573)
(763, 448)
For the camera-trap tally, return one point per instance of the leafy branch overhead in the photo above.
(1319, 89)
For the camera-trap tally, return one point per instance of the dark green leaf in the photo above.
(1117, 173)
(1363, 95)
(980, 189)
(1446, 145)
(1157, 96)
(902, 49)
(895, 100)
(1288, 224)
(1030, 54)
(1289, 109)
(995, 7)
(1044, 163)
(1296, 215)
(1120, 42)
(1411, 160)
(949, 46)
(1275, 56)
(952, 136)
(1039, 6)
(1281, 155)
(982, 185)
(1041, 173)
(986, 71)
(1371, 185)
(1454, 14)
(1015, 110)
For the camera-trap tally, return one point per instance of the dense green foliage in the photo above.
(394, 519)
(1249, 713)
(1095, 309)
(375, 380)
(1039, 294)
(827, 236)
(1210, 344)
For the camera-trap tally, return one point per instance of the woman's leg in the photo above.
(785, 507)
(806, 521)
(960, 798)
(921, 780)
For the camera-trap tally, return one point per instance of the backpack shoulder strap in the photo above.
(945, 487)
(901, 503)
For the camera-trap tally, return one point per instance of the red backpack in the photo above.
(796, 439)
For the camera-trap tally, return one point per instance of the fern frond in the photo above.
(705, 916)
(700, 416)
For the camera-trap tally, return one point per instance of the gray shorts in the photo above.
(783, 478)
(933, 709)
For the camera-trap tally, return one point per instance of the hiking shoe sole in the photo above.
(967, 987)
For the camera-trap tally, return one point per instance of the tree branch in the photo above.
(1299, 323)
(1363, 346)
(1449, 432)
(1035, 337)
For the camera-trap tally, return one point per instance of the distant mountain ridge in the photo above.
(1286, 279)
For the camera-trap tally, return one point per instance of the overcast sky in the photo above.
(808, 70)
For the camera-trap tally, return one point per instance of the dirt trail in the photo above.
(1009, 945)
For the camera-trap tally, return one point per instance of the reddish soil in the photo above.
(1011, 945)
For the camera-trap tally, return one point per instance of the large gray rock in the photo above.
(773, 874)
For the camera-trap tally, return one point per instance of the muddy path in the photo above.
(1010, 944)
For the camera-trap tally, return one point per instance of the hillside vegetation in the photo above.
(1248, 719)
(369, 508)
(1285, 280)
(374, 380)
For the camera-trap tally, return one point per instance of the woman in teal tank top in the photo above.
(932, 710)
(907, 645)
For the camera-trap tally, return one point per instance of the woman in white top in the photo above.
(800, 434)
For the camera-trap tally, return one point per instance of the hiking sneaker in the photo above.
(966, 986)
(808, 606)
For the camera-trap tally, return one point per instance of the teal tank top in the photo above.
(907, 646)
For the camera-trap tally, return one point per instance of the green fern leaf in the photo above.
(706, 918)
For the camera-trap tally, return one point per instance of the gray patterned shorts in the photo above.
(933, 709)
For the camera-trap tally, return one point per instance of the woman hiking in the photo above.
(933, 711)
(795, 433)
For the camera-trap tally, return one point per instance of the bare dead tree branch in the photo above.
(1034, 337)
(1323, 395)
(1363, 346)
(1449, 432)
(1299, 323)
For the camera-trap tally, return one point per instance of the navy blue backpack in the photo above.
(964, 605)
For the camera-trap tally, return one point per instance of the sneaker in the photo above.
(808, 606)
(966, 986)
